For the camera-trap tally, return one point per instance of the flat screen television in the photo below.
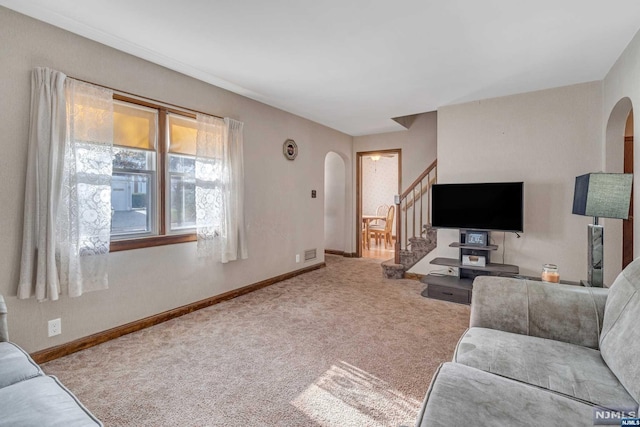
(495, 206)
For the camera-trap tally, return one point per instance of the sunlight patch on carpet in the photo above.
(348, 396)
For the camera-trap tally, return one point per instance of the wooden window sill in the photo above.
(148, 242)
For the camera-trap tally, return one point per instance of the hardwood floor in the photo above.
(378, 251)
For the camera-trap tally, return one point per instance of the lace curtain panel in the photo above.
(67, 215)
(84, 217)
(220, 189)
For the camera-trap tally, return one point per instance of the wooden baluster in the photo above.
(421, 194)
(428, 201)
(398, 235)
(413, 213)
(406, 224)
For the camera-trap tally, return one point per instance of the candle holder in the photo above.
(550, 273)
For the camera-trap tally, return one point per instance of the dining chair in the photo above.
(384, 233)
(381, 210)
(364, 237)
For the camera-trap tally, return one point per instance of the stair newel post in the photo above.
(396, 200)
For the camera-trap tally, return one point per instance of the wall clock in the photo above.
(290, 149)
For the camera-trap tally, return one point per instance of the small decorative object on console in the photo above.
(550, 273)
(476, 238)
(476, 260)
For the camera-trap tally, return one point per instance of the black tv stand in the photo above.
(459, 288)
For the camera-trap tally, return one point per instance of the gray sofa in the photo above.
(542, 354)
(28, 397)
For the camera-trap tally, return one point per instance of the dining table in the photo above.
(366, 220)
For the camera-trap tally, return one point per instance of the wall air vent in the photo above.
(310, 254)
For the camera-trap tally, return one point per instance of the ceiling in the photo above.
(353, 65)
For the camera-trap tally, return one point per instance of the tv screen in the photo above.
(482, 206)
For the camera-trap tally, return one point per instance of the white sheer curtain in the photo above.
(67, 215)
(236, 243)
(38, 269)
(220, 189)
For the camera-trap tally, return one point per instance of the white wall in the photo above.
(418, 145)
(335, 203)
(379, 183)
(543, 138)
(281, 216)
(621, 82)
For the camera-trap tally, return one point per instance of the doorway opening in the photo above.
(619, 154)
(378, 181)
(627, 224)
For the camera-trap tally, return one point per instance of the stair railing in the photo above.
(413, 209)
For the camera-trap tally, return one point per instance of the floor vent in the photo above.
(310, 254)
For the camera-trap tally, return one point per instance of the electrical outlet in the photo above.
(55, 327)
(297, 257)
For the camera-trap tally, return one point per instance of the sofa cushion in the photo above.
(463, 396)
(42, 401)
(566, 313)
(16, 365)
(620, 338)
(565, 368)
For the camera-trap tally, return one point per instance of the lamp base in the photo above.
(595, 255)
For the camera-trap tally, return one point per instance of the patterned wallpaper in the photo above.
(379, 183)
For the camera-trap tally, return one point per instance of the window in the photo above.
(133, 182)
(153, 181)
(120, 177)
(182, 172)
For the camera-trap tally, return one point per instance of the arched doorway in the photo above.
(627, 225)
(619, 158)
(335, 204)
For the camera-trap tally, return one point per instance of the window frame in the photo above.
(164, 234)
(169, 177)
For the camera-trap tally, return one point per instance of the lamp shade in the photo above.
(604, 195)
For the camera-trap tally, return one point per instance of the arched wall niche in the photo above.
(619, 125)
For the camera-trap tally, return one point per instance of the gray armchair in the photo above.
(542, 354)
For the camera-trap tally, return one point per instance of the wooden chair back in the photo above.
(388, 226)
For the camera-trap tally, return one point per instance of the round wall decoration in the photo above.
(290, 149)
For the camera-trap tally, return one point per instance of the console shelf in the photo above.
(492, 267)
(482, 248)
(458, 288)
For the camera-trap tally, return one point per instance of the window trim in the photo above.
(148, 242)
(164, 237)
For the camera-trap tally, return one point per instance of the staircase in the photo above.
(415, 237)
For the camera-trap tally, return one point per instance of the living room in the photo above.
(542, 137)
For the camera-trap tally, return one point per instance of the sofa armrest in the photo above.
(4, 330)
(571, 314)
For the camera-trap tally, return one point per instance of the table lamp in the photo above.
(600, 195)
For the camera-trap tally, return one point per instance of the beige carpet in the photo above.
(339, 346)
